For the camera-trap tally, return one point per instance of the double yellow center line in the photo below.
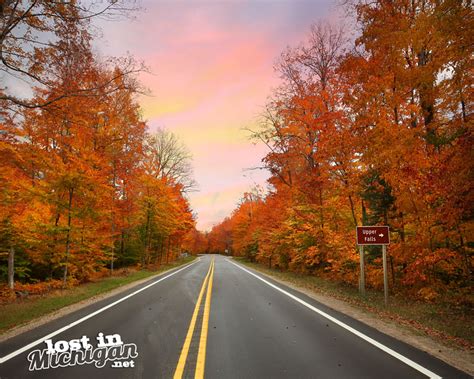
(201, 356)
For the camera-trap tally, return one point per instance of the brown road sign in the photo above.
(373, 235)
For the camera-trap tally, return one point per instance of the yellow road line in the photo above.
(201, 359)
(187, 342)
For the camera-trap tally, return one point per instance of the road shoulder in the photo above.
(461, 359)
(82, 304)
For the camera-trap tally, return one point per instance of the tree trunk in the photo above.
(321, 210)
(427, 102)
(54, 246)
(168, 249)
(147, 227)
(392, 268)
(122, 243)
(158, 251)
(11, 268)
(112, 250)
(113, 222)
(68, 235)
(364, 213)
(352, 210)
(161, 250)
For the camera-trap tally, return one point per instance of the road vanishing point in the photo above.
(213, 318)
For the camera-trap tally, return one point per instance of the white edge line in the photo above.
(384, 348)
(64, 328)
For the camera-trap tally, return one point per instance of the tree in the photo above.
(33, 30)
(168, 159)
(377, 134)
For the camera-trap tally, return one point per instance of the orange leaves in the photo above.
(312, 256)
(379, 136)
(76, 199)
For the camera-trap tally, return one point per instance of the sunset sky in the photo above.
(212, 71)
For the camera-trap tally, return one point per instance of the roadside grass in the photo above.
(449, 324)
(23, 310)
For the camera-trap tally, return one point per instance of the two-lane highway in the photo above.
(217, 319)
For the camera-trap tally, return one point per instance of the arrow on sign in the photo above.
(377, 235)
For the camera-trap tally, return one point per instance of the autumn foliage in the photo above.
(372, 132)
(81, 189)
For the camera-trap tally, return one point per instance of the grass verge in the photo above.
(25, 310)
(450, 325)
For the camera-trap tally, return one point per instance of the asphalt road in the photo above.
(218, 319)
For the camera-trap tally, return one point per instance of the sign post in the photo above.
(385, 276)
(373, 235)
(362, 271)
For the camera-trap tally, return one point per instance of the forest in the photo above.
(371, 125)
(368, 129)
(85, 187)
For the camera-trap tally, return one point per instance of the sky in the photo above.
(211, 73)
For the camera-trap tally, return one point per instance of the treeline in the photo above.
(372, 132)
(84, 187)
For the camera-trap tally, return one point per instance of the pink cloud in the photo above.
(212, 65)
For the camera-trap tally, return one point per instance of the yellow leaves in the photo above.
(427, 294)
